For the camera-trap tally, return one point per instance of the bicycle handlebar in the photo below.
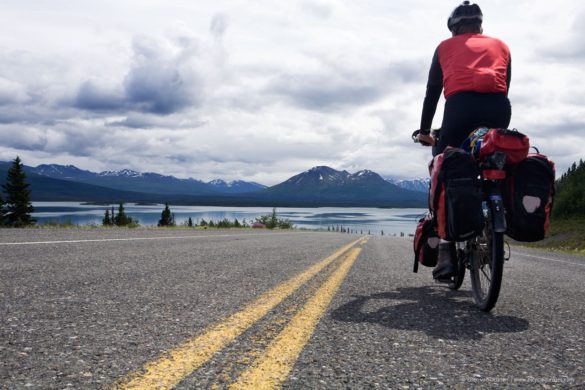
(416, 140)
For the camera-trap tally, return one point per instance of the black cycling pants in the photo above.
(465, 111)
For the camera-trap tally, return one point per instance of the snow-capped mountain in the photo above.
(235, 186)
(419, 185)
(325, 185)
(121, 173)
(321, 175)
(67, 172)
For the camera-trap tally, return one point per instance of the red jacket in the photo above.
(474, 63)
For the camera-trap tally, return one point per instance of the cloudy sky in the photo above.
(261, 90)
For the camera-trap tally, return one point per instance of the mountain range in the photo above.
(129, 180)
(318, 186)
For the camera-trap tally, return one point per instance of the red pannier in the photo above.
(455, 197)
(528, 198)
(511, 142)
(426, 243)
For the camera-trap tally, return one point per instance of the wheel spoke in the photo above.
(486, 275)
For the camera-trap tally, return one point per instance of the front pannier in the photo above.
(426, 243)
(528, 196)
(455, 197)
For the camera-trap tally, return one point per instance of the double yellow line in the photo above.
(272, 367)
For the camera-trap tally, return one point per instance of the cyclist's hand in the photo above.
(426, 139)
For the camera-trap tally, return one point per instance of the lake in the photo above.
(391, 221)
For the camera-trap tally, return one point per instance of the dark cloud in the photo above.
(93, 98)
(559, 129)
(337, 87)
(35, 113)
(158, 90)
(23, 139)
(162, 80)
(319, 93)
(68, 138)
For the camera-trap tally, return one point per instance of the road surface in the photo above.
(148, 308)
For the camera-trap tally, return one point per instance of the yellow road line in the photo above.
(178, 363)
(272, 368)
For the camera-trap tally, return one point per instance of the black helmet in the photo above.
(464, 13)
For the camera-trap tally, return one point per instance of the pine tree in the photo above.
(18, 207)
(237, 223)
(570, 193)
(273, 219)
(166, 217)
(121, 219)
(190, 222)
(107, 221)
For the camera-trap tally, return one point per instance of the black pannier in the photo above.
(456, 197)
(528, 196)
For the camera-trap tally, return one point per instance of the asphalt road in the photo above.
(103, 309)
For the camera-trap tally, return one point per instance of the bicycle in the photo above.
(483, 255)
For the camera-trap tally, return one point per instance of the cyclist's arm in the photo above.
(434, 88)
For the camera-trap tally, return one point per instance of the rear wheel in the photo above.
(487, 266)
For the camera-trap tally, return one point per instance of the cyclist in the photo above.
(475, 71)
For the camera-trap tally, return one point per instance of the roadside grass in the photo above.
(67, 224)
(565, 235)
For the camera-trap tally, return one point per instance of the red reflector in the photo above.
(494, 174)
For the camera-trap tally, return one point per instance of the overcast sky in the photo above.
(261, 90)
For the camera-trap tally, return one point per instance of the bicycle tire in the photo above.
(458, 280)
(485, 294)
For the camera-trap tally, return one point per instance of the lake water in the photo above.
(391, 221)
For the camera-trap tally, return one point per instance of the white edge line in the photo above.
(549, 259)
(141, 239)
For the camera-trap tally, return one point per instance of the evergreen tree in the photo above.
(237, 223)
(18, 207)
(570, 193)
(166, 217)
(190, 222)
(121, 219)
(107, 221)
(273, 221)
(203, 222)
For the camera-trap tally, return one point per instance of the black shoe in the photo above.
(445, 268)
